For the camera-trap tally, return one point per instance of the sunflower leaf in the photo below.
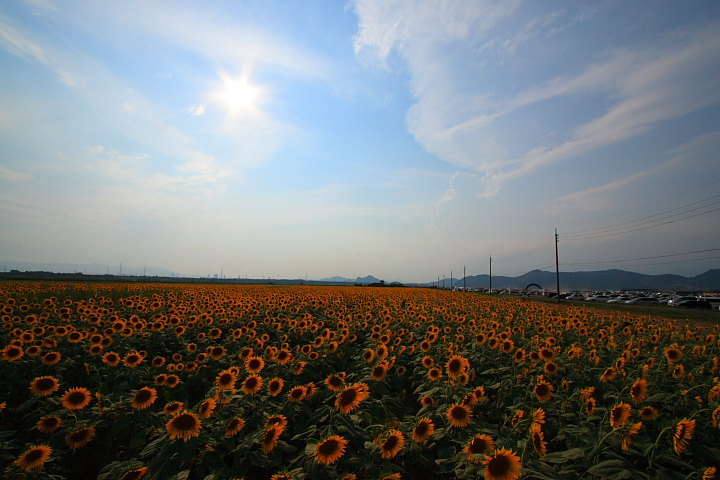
(562, 457)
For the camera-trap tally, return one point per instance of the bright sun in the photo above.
(238, 94)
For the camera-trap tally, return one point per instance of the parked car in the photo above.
(575, 296)
(620, 299)
(674, 301)
(714, 301)
(642, 301)
(599, 298)
(695, 304)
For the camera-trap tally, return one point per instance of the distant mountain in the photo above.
(368, 279)
(90, 269)
(337, 279)
(600, 280)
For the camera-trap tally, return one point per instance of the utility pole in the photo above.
(120, 268)
(557, 266)
(451, 285)
(464, 276)
(221, 270)
(490, 273)
(443, 280)
(144, 270)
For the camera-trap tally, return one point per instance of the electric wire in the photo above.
(643, 206)
(664, 263)
(643, 258)
(599, 230)
(643, 228)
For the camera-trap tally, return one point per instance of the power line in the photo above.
(650, 216)
(644, 228)
(645, 206)
(644, 258)
(667, 263)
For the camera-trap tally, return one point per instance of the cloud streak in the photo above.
(458, 122)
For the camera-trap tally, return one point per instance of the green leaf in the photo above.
(566, 456)
(658, 397)
(607, 468)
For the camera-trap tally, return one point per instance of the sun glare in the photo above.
(238, 94)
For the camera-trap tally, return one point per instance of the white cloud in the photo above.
(17, 43)
(656, 86)
(195, 110)
(690, 156)
(12, 176)
(444, 43)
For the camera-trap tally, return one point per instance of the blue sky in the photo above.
(402, 139)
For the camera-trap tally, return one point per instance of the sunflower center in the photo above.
(226, 379)
(274, 385)
(80, 435)
(297, 393)
(34, 455)
(335, 381)
(537, 441)
(499, 466)
(454, 366)
(348, 396)
(458, 413)
(421, 429)
(390, 443)
(329, 447)
(269, 436)
(50, 422)
(184, 422)
(251, 382)
(143, 396)
(379, 371)
(478, 445)
(541, 389)
(45, 384)
(132, 358)
(76, 398)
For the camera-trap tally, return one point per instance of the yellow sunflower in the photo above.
(330, 450)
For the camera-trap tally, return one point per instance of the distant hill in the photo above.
(90, 269)
(600, 280)
(337, 279)
(368, 279)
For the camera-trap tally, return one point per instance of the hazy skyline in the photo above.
(399, 139)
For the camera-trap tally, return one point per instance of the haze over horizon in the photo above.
(399, 139)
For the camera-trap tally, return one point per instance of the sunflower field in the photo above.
(166, 381)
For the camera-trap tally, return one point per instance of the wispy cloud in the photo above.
(18, 43)
(195, 110)
(656, 86)
(12, 176)
(457, 120)
(690, 156)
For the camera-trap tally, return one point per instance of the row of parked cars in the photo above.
(690, 301)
